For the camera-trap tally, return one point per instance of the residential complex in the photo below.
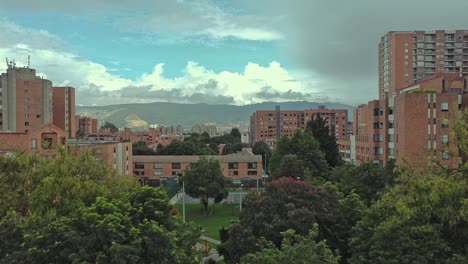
(422, 87)
(86, 125)
(408, 57)
(269, 125)
(237, 167)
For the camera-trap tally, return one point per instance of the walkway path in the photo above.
(209, 239)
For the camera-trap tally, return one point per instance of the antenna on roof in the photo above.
(29, 61)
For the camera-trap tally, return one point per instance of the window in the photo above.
(252, 165)
(252, 173)
(157, 173)
(445, 139)
(26, 123)
(378, 138)
(139, 165)
(378, 124)
(176, 166)
(444, 107)
(47, 143)
(445, 123)
(38, 116)
(445, 155)
(233, 173)
(391, 137)
(233, 165)
(33, 143)
(378, 151)
(158, 165)
(139, 173)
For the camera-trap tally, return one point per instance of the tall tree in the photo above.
(290, 166)
(262, 148)
(328, 142)
(307, 149)
(236, 135)
(112, 127)
(285, 204)
(140, 148)
(204, 179)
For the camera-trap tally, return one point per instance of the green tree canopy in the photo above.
(328, 142)
(262, 148)
(112, 127)
(290, 166)
(307, 149)
(285, 204)
(140, 148)
(294, 249)
(423, 219)
(204, 179)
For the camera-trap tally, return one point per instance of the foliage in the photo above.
(368, 180)
(204, 179)
(423, 219)
(307, 149)
(328, 143)
(262, 148)
(285, 204)
(290, 166)
(460, 131)
(294, 249)
(48, 188)
(134, 228)
(111, 126)
(189, 147)
(140, 148)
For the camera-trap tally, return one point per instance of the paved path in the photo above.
(209, 239)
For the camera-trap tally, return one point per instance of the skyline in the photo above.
(212, 51)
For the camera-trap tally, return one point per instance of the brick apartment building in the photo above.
(269, 125)
(422, 86)
(408, 57)
(64, 109)
(25, 100)
(117, 155)
(237, 167)
(86, 125)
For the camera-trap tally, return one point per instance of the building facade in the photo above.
(408, 57)
(208, 128)
(25, 100)
(64, 109)
(86, 125)
(269, 125)
(236, 167)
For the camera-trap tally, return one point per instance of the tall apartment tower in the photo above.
(407, 57)
(25, 100)
(64, 109)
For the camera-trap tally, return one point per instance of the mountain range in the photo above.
(187, 115)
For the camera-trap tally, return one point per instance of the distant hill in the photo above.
(187, 115)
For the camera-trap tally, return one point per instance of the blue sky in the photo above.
(192, 51)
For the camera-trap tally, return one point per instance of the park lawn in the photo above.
(221, 215)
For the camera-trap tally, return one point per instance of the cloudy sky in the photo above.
(213, 51)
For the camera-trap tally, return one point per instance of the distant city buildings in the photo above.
(86, 125)
(269, 125)
(211, 129)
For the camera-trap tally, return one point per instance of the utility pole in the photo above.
(240, 198)
(183, 200)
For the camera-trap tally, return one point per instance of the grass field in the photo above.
(221, 215)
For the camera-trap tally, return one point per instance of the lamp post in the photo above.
(183, 200)
(240, 197)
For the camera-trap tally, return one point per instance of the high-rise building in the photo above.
(408, 57)
(86, 125)
(269, 125)
(25, 100)
(64, 109)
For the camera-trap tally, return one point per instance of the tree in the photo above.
(111, 126)
(422, 219)
(328, 142)
(294, 249)
(307, 149)
(204, 179)
(140, 148)
(262, 148)
(186, 147)
(137, 227)
(236, 135)
(367, 179)
(290, 166)
(285, 204)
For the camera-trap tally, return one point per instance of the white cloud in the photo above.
(97, 84)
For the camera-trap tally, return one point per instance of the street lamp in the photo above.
(183, 196)
(240, 197)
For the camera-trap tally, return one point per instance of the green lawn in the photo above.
(221, 215)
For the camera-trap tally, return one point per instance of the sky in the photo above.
(212, 51)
